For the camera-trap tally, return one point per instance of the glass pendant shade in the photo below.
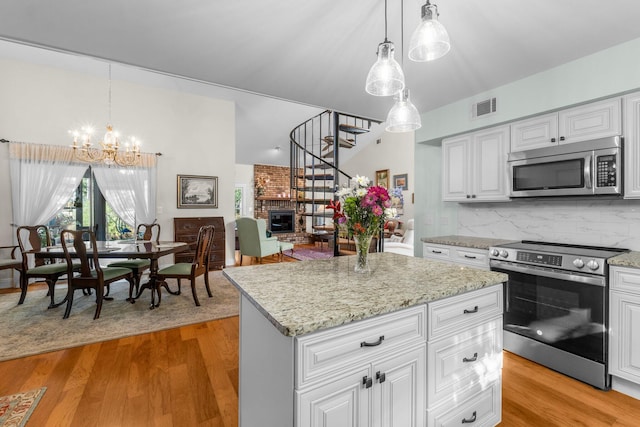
(385, 77)
(430, 40)
(403, 116)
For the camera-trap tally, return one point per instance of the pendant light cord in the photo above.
(385, 22)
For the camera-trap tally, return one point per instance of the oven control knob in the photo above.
(495, 252)
(504, 254)
(578, 262)
(593, 264)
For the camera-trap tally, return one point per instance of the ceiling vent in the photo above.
(483, 108)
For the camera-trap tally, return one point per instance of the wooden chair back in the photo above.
(82, 243)
(148, 232)
(31, 239)
(203, 248)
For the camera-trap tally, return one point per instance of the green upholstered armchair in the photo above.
(252, 236)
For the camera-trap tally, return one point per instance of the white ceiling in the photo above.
(318, 52)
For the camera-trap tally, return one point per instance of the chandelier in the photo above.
(110, 151)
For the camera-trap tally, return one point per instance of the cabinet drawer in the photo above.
(458, 362)
(325, 353)
(479, 409)
(435, 252)
(625, 279)
(474, 257)
(451, 315)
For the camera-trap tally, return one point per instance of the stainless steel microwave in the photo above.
(588, 168)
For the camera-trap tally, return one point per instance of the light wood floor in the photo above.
(189, 377)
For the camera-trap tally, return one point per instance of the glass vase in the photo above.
(363, 242)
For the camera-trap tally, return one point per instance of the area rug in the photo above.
(305, 254)
(16, 409)
(31, 328)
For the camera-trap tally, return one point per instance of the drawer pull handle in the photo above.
(372, 344)
(475, 310)
(367, 382)
(436, 252)
(470, 420)
(470, 257)
(381, 376)
(470, 359)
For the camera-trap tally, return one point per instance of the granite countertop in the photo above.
(466, 241)
(303, 297)
(628, 259)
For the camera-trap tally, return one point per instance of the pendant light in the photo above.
(385, 77)
(403, 116)
(430, 40)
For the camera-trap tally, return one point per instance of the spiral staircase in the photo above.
(315, 168)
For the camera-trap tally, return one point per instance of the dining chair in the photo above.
(13, 262)
(98, 278)
(147, 232)
(198, 267)
(31, 239)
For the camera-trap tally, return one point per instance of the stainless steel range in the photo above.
(556, 306)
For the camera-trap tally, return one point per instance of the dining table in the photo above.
(130, 249)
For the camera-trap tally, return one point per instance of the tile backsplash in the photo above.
(614, 223)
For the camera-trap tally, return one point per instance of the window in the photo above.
(88, 209)
(240, 200)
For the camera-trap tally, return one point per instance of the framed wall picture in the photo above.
(382, 178)
(197, 191)
(400, 181)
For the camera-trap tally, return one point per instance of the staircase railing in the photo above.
(315, 172)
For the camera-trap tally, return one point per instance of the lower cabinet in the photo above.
(624, 340)
(387, 392)
(471, 257)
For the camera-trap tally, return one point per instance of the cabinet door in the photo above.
(536, 132)
(490, 149)
(624, 341)
(341, 403)
(632, 146)
(398, 393)
(595, 120)
(456, 168)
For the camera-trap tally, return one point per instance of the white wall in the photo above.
(394, 152)
(608, 223)
(195, 134)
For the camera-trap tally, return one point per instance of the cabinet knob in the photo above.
(473, 196)
(367, 382)
(468, 196)
(562, 138)
(372, 344)
(470, 359)
(553, 140)
(381, 376)
(475, 310)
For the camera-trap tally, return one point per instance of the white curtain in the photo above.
(43, 178)
(131, 191)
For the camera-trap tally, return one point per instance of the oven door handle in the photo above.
(553, 274)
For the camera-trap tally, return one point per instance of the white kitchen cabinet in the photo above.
(589, 121)
(464, 359)
(475, 166)
(632, 146)
(624, 340)
(461, 255)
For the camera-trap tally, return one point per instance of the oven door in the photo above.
(567, 311)
(558, 175)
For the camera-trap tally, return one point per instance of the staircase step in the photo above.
(328, 155)
(320, 166)
(344, 143)
(327, 214)
(317, 189)
(354, 130)
(320, 177)
(316, 201)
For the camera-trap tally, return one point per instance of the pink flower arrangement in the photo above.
(363, 208)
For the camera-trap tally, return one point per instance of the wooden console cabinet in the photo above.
(186, 230)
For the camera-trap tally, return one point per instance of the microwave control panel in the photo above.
(606, 171)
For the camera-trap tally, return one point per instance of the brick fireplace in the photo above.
(277, 195)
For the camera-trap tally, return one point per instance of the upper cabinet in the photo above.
(632, 146)
(475, 166)
(590, 121)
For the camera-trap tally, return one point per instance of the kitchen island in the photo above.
(323, 345)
